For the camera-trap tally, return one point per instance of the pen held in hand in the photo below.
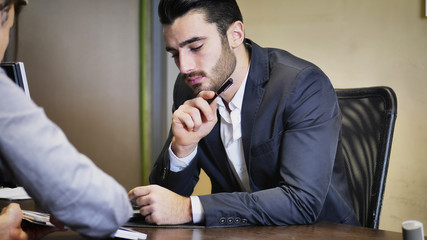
(221, 89)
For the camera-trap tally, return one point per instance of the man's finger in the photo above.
(13, 211)
(146, 210)
(204, 108)
(206, 94)
(138, 192)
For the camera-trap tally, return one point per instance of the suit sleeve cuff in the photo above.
(178, 164)
(197, 209)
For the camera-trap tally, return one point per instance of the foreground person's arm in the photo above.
(61, 180)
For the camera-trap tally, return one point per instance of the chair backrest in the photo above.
(369, 115)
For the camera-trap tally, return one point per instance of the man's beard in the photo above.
(222, 70)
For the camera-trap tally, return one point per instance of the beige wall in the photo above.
(358, 44)
(82, 62)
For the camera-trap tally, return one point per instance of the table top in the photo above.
(321, 230)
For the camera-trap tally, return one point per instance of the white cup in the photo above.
(412, 230)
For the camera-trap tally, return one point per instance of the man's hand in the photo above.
(191, 122)
(10, 223)
(161, 206)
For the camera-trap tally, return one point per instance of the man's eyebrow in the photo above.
(186, 42)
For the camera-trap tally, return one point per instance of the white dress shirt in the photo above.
(231, 136)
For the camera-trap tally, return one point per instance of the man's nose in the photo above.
(186, 63)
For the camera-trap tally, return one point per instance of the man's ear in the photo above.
(3, 17)
(236, 34)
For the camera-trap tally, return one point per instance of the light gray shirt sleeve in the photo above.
(61, 180)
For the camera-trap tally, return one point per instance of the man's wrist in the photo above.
(182, 151)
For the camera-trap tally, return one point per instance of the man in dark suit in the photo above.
(270, 143)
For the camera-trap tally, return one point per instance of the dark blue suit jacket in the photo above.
(291, 126)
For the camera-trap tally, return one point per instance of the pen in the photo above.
(221, 89)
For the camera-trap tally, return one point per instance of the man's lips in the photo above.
(194, 80)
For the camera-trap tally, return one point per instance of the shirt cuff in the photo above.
(197, 209)
(177, 164)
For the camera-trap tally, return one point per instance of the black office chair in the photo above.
(369, 115)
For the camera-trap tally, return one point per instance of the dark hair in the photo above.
(221, 12)
(5, 7)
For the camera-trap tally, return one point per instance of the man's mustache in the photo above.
(193, 74)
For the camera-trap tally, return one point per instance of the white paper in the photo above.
(37, 218)
(17, 193)
(127, 233)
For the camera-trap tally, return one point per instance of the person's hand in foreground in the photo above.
(10, 223)
(13, 228)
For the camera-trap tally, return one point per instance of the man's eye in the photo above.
(196, 48)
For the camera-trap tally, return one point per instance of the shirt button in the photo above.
(230, 220)
(237, 220)
(222, 220)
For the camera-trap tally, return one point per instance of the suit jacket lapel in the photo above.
(254, 93)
